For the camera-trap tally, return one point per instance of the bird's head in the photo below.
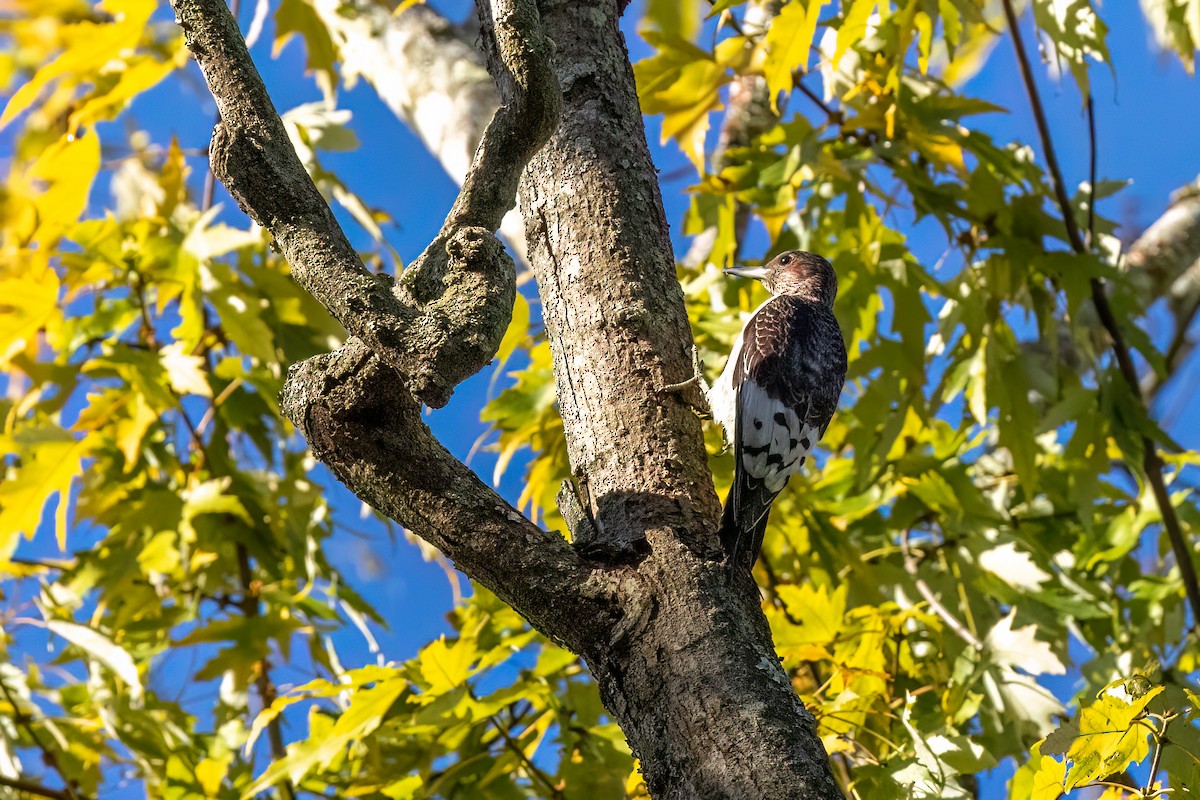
(797, 273)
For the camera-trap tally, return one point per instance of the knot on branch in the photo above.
(476, 248)
(332, 395)
(464, 286)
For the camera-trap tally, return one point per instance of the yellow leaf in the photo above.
(28, 302)
(201, 559)
(775, 218)
(1112, 735)
(446, 667)
(90, 46)
(683, 83)
(856, 15)
(835, 744)
(210, 773)
(406, 788)
(50, 459)
(540, 727)
(788, 43)
(518, 330)
(68, 168)
(971, 55)
(136, 76)
(1048, 780)
(185, 371)
(635, 784)
(131, 431)
(820, 612)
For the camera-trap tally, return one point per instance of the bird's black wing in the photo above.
(787, 380)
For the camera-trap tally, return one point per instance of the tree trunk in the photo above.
(684, 660)
(690, 673)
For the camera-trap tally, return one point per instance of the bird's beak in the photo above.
(757, 273)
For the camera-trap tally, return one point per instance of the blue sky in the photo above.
(1144, 117)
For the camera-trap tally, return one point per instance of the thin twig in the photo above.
(773, 587)
(1092, 158)
(266, 689)
(733, 21)
(1179, 342)
(533, 769)
(49, 757)
(37, 789)
(1178, 350)
(952, 622)
(1152, 463)
(834, 116)
(1160, 744)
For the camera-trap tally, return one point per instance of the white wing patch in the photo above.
(722, 397)
(775, 441)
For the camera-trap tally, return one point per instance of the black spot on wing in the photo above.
(793, 349)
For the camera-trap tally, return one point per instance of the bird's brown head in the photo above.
(797, 273)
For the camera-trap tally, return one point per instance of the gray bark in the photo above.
(1164, 262)
(684, 661)
(691, 673)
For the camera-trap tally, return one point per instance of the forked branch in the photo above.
(360, 407)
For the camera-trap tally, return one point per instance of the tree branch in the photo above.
(360, 407)
(1169, 250)
(38, 790)
(266, 689)
(1151, 461)
(429, 73)
(443, 323)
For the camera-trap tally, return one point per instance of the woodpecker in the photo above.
(778, 391)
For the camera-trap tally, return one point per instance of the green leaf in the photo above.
(1176, 26)
(103, 650)
(297, 17)
(367, 709)
(446, 667)
(1076, 35)
(674, 17)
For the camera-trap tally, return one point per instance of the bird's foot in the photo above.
(693, 391)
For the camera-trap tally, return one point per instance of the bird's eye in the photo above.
(785, 259)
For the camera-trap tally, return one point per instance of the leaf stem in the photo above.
(1092, 158)
(1159, 745)
(952, 622)
(266, 689)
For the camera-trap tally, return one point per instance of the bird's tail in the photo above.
(742, 536)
